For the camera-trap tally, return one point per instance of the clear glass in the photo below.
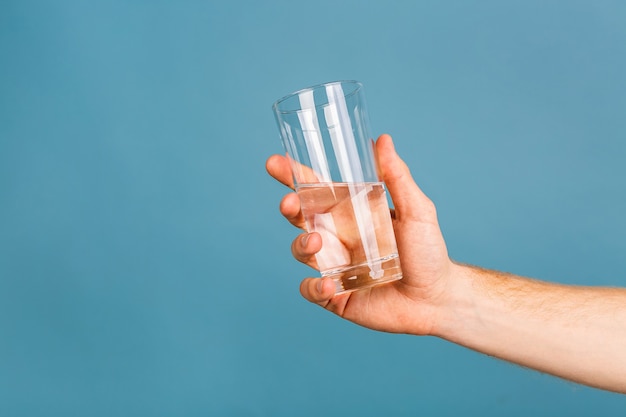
(325, 132)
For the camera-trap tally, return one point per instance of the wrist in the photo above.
(456, 308)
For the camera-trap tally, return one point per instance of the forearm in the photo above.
(577, 333)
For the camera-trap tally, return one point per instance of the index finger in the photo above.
(282, 168)
(278, 167)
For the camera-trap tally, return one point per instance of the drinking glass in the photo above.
(325, 132)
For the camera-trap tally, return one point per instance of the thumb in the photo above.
(408, 199)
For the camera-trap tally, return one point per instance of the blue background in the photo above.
(145, 269)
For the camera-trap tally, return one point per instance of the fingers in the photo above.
(408, 199)
(305, 246)
(278, 167)
(284, 169)
(318, 290)
(321, 291)
(290, 209)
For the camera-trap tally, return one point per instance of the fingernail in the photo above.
(304, 240)
(318, 286)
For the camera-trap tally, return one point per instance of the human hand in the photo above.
(410, 305)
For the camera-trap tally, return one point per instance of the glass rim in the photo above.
(277, 103)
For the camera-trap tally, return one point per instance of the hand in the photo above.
(573, 332)
(410, 305)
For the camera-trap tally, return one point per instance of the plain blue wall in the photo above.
(145, 269)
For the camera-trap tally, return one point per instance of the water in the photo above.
(358, 244)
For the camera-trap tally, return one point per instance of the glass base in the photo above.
(367, 275)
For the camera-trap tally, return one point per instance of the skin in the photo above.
(576, 333)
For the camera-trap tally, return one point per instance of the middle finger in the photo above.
(290, 208)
